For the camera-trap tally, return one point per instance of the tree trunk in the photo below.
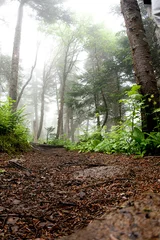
(67, 127)
(41, 114)
(15, 56)
(29, 79)
(72, 128)
(106, 108)
(144, 72)
(60, 113)
(35, 104)
(96, 102)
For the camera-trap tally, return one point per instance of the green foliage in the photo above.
(49, 10)
(50, 130)
(88, 143)
(61, 142)
(127, 137)
(5, 70)
(13, 133)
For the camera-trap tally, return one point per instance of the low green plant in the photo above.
(13, 133)
(88, 143)
(62, 142)
(127, 137)
(2, 171)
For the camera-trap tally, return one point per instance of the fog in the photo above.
(50, 68)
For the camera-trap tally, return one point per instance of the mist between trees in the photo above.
(82, 78)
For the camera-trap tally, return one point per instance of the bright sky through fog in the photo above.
(100, 10)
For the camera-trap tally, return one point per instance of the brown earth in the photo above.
(51, 192)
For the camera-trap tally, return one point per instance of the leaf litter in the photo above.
(51, 192)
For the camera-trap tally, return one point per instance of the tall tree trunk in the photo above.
(41, 114)
(144, 72)
(29, 79)
(72, 128)
(106, 108)
(15, 56)
(67, 122)
(61, 108)
(96, 102)
(87, 125)
(35, 103)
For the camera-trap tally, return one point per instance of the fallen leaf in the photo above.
(16, 201)
(12, 220)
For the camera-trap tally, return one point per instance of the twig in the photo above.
(5, 220)
(67, 203)
(112, 237)
(17, 165)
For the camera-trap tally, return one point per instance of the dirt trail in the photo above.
(51, 192)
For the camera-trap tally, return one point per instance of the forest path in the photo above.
(52, 192)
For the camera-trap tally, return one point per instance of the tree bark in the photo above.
(29, 79)
(60, 113)
(72, 128)
(41, 114)
(44, 86)
(144, 72)
(15, 56)
(106, 108)
(35, 104)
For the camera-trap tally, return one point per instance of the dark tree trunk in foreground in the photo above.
(144, 72)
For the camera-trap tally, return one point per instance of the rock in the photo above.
(135, 220)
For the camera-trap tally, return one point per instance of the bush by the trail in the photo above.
(127, 137)
(120, 140)
(13, 133)
(62, 142)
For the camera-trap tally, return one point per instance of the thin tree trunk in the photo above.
(67, 122)
(69, 62)
(57, 97)
(87, 125)
(96, 102)
(144, 72)
(15, 56)
(35, 122)
(41, 115)
(72, 128)
(106, 107)
(29, 79)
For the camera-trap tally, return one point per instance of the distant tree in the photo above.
(47, 84)
(49, 10)
(144, 71)
(5, 67)
(101, 74)
(2, 2)
(70, 47)
(29, 79)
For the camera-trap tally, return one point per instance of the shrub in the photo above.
(13, 133)
(127, 137)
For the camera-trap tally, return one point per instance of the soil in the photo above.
(51, 192)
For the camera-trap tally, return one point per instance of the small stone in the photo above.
(82, 194)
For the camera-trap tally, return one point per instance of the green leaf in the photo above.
(138, 135)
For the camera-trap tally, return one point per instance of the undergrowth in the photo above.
(127, 137)
(13, 133)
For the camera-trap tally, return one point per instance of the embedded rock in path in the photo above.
(99, 172)
(135, 220)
